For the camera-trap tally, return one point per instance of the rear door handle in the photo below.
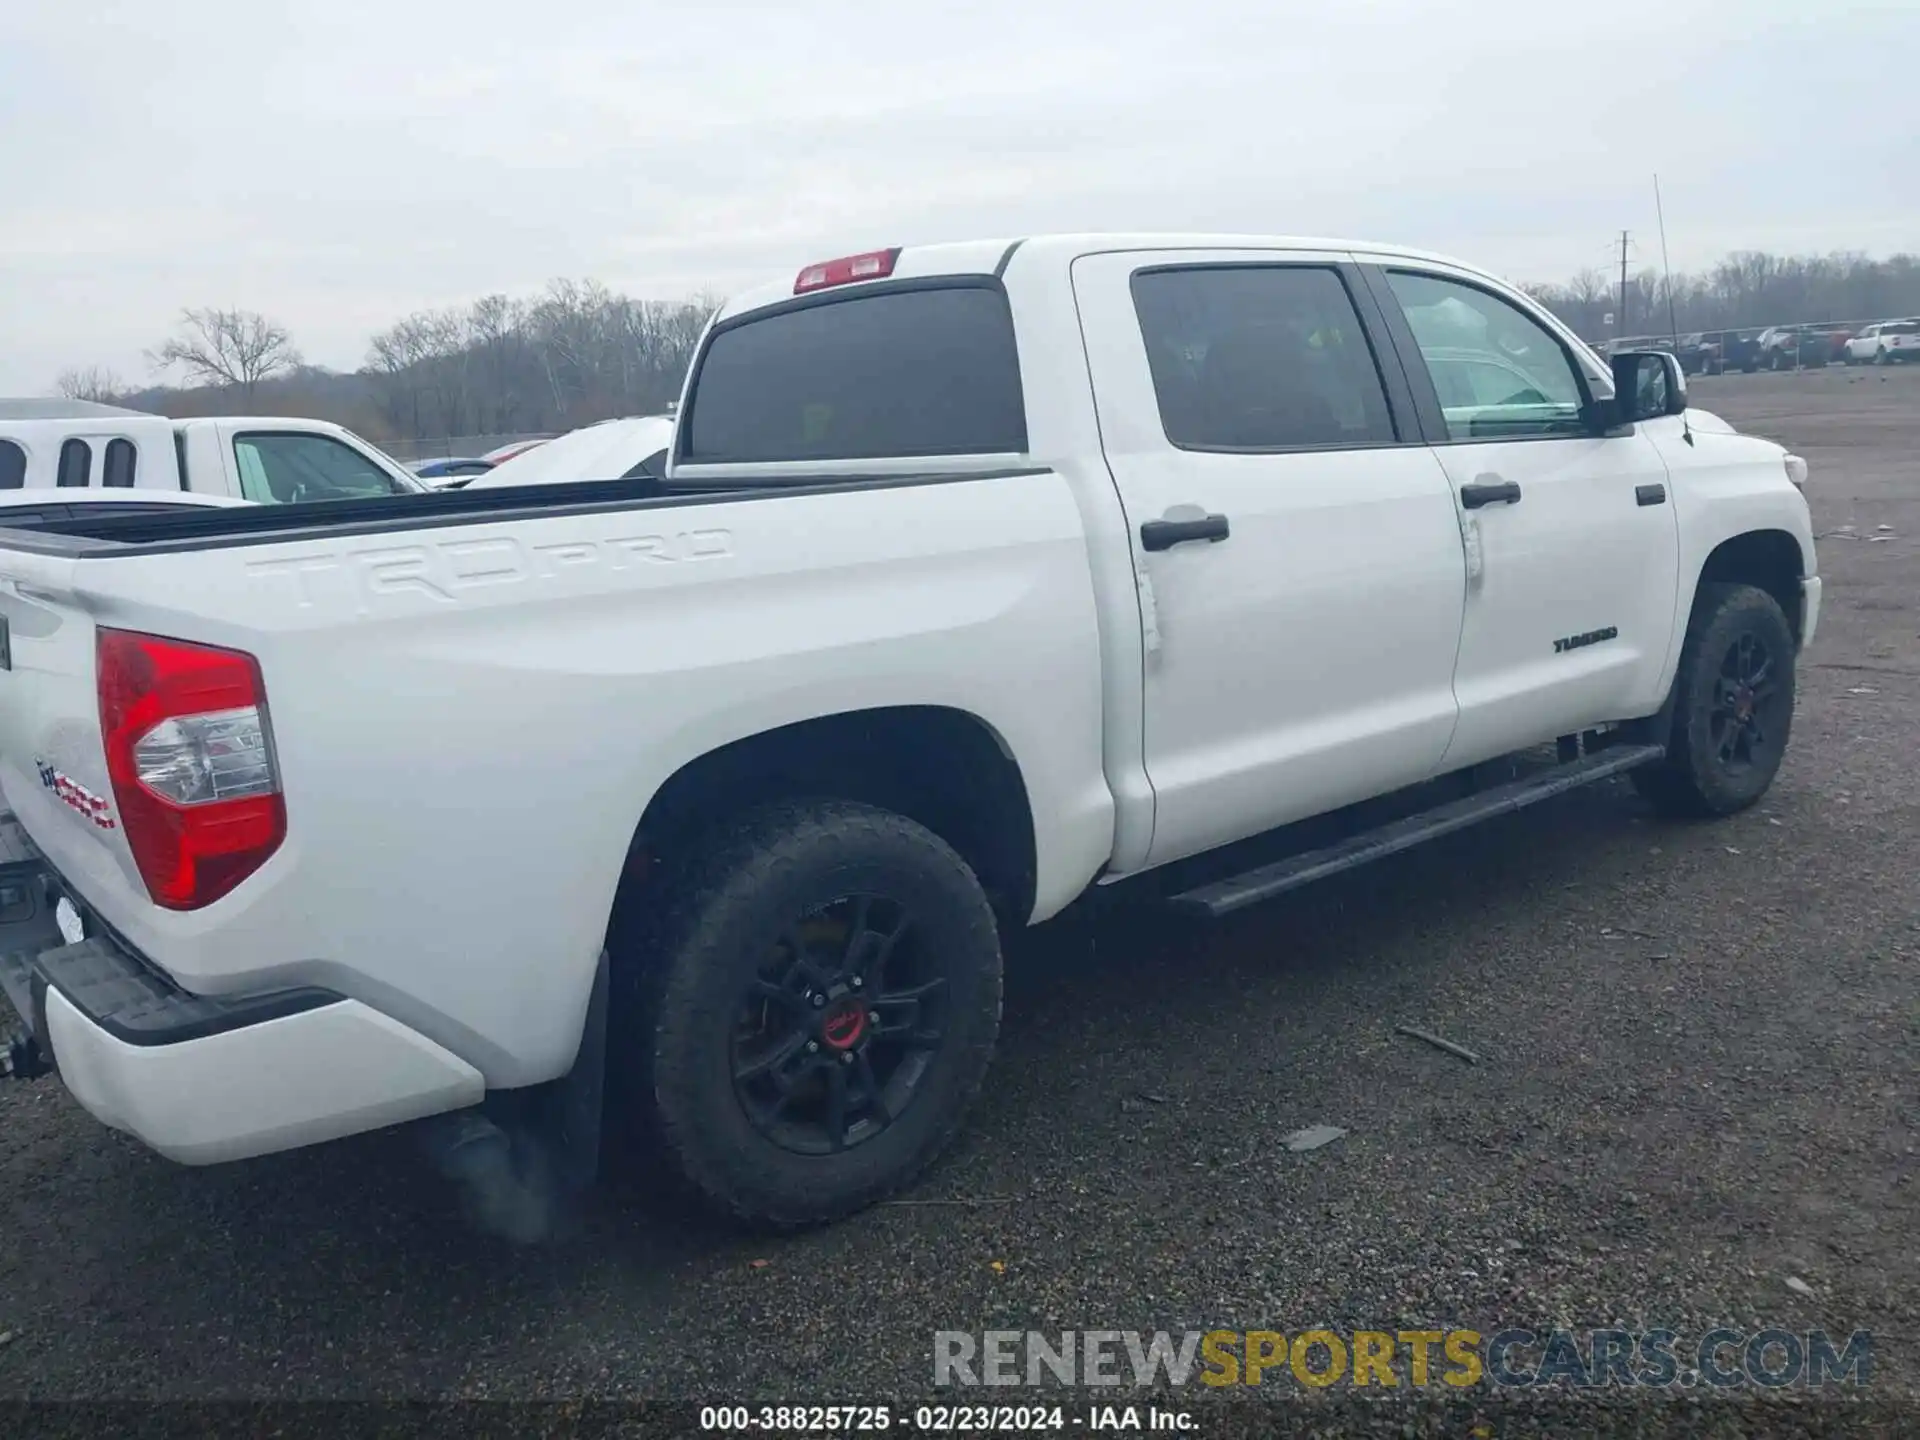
(1506, 492)
(1165, 534)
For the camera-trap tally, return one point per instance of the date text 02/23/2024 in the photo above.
(937, 1419)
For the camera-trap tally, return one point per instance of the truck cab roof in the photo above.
(995, 257)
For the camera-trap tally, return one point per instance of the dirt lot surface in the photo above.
(1700, 1080)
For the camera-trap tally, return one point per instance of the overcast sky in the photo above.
(338, 164)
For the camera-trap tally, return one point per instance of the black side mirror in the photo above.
(1648, 384)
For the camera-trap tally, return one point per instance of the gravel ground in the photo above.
(1699, 1080)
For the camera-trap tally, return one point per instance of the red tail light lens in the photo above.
(190, 755)
(874, 265)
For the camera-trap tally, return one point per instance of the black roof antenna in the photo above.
(1673, 325)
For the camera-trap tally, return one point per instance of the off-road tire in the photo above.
(716, 917)
(1694, 780)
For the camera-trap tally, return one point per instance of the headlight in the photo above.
(1797, 471)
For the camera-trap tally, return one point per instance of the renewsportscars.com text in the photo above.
(1767, 1359)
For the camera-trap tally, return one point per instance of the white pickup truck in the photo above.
(981, 575)
(266, 459)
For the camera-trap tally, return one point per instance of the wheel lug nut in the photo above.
(873, 1017)
(813, 1047)
(846, 1057)
(857, 982)
(818, 1001)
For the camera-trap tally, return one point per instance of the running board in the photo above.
(1237, 892)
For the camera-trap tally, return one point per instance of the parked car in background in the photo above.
(1693, 352)
(74, 445)
(1791, 347)
(1731, 350)
(611, 450)
(438, 472)
(518, 447)
(1890, 342)
(1836, 337)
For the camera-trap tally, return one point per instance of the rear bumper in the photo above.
(202, 1080)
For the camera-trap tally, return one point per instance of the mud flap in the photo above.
(520, 1156)
(576, 1101)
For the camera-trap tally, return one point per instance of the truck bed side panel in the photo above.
(471, 719)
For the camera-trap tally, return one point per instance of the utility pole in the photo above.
(1623, 282)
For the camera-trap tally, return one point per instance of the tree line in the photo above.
(579, 352)
(1746, 290)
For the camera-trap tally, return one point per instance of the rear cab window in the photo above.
(913, 369)
(13, 466)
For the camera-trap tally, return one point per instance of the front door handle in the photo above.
(1506, 492)
(1165, 534)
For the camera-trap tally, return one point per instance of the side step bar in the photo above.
(1223, 897)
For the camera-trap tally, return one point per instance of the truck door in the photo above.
(1569, 620)
(1301, 568)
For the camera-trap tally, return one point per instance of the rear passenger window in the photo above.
(76, 464)
(13, 466)
(118, 464)
(902, 373)
(1268, 357)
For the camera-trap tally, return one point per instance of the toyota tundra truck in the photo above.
(980, 575)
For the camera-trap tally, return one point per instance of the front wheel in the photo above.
(1733, 706)
(818, 1004)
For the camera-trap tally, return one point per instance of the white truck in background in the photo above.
(267, 459)
(980, 575)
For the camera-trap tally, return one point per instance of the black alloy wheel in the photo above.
(836, 1030)
(1744, 721)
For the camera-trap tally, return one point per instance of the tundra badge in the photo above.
(1580, 642)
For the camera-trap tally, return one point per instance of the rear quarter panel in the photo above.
(470, 721)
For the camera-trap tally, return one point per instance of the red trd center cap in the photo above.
(845, 1026)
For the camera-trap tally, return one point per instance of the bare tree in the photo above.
(91, 382)
(236, 349)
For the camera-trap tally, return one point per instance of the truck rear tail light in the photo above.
(190, 753)
(874, 265)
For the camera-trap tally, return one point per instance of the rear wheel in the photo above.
(1880, 356)
(1733, 706)
(818, 1001)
